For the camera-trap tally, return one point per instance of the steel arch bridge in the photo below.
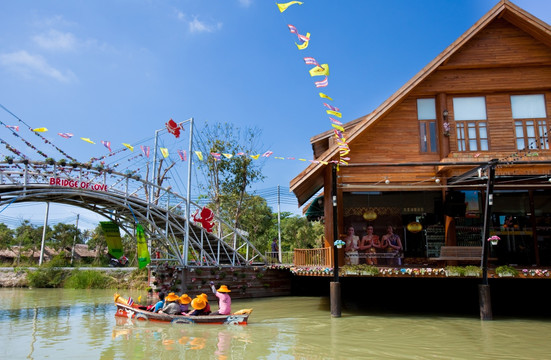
(126, 199)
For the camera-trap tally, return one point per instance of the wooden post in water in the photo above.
(335, 290)
(484, 299)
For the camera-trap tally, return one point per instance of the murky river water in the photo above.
(75, 324)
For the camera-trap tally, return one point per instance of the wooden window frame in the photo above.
(541, 135)
(464, 141)
(425, 139)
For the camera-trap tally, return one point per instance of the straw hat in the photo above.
(185, 299)
(223, 288)
(204, 296)
(198, 303)
(171, 297)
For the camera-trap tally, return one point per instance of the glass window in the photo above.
(469, 108)
(530, 121)
(528, 106)
(470, 119)
(426, 114)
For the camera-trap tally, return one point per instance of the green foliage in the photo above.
(455, 270)
(472, 270)
(506, 270)
(50, 275)
(88, 279)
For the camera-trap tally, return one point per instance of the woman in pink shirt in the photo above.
(224, 300)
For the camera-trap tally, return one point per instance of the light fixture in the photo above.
(437, 180)
(445, 114)
(549, 179)
(387, 181)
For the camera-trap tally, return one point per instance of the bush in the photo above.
(88, 279)
(49, 277)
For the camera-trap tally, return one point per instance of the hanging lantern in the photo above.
(414, 227)
(370, 215)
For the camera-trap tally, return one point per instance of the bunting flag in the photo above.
(107, 144)
(199, 155)
(283, 6)
(320, 70)
(338, 127)
(143, 253)
(334, 113)
(182, 154)
(335, 121)
(129, 147)
(304, 45)
(322, 95)
(13, 127)
(228, 156)
(240, 153)
(112, 237)
(322, 83)
(216, 156)
(311, 61)
(331, 107)
(42, 129)
(267, 154)
(65, 135)
(255, 156)
(145, 150)
(164, 151)
(87, 140)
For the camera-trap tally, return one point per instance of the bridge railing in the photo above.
(287, 257)
(314, 257)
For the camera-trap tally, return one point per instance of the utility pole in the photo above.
(74, 241)
(279, 226)
(44, 234)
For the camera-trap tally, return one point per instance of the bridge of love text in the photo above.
(77, 184)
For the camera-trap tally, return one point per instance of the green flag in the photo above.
(143, 253)
(112, 238)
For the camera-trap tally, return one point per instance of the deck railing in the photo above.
(314, 257)
(287, 257)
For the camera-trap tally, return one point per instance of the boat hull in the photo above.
(135, 313)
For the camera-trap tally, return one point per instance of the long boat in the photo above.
(134, 311)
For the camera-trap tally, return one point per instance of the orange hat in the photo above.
(185, 299)
(223, 288)
(204, 296)
(198, 303)
(171, 297)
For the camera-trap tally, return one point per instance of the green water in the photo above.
(76, 324)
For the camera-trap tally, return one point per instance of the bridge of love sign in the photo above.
(77, 184)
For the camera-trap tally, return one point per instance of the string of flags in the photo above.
(320, 70)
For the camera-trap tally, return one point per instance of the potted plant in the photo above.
(472, 270)
(49, 161)
(494, 239)
(62, 162)
(506, 271)
(9, 159)
(455, 271)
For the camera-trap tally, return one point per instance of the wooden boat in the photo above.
(134, 311)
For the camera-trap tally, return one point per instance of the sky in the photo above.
(118, 70)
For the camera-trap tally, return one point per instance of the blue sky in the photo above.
(118, 70)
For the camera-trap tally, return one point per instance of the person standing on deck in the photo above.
(224, 300)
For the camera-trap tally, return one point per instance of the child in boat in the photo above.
(172, 305)
(184, 303)
(159, 304)
(224, 300)
(207, 307)
(198, 304)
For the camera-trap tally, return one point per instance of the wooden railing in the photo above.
(314, 257)
(273, 257)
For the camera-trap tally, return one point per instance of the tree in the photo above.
(6, 236)
(229, 167)
(63, 235)
(300, 233)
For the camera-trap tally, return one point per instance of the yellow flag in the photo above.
(325, 96)
(320, 70)
(324, 162)
(335, 113)
(302, 159)
(228, 156)
(255, 156)
(284, 6)
(40, 129)
(164, 151)
(304, 45)
(130, 147)
(88, 140)
(199, 155)
(338, 127)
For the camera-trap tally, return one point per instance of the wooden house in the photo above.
(420, 160)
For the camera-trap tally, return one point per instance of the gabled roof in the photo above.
(310, 180)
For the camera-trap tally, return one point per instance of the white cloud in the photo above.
(29, 65)
(180, 15)
(196, 26)
(245, 3)
(55, 40)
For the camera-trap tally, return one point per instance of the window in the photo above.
(470, 122)
(426, 114)
(530, 121)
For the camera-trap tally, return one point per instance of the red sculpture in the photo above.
(173, 128)
(204, 218)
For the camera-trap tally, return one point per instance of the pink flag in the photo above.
(295, 31)
(14, 127)
(311, 61)
(107, 144)
(331, 107)
(145, 150)
(267, 154)
(65, 135)
(322, 83)
(182, 154)
(334, 121)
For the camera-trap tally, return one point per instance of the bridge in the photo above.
(127, 199)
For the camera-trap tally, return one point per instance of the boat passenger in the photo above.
(207, 307)
(198, 304)
(159, 304)
(184, 303)
(172, 305)
(224, 300)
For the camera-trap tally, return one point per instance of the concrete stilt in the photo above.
(485, 302)
(335, 299)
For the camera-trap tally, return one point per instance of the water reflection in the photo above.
(37, 324)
